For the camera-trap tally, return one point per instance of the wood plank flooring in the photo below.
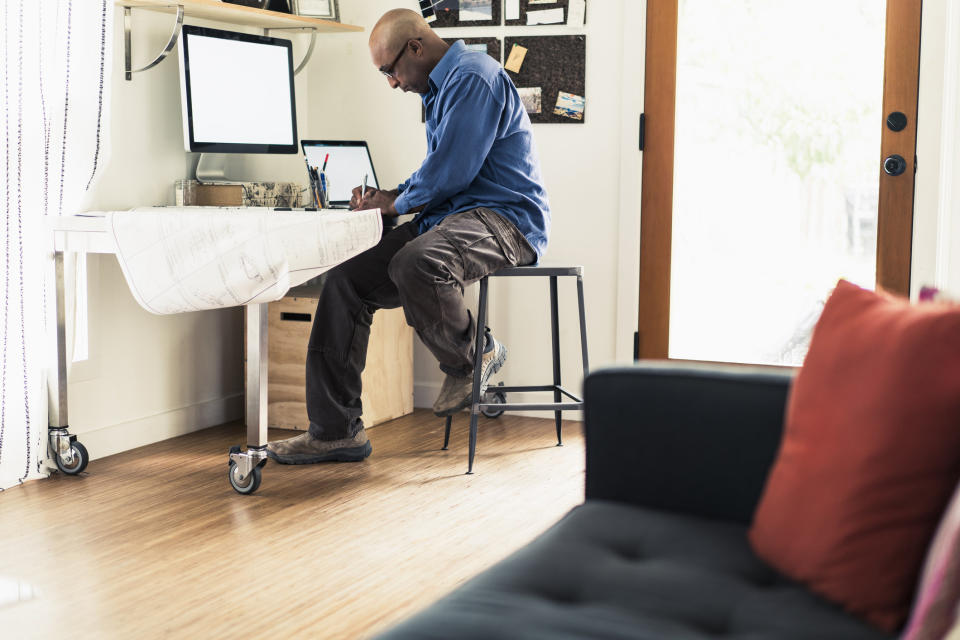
(153, 543)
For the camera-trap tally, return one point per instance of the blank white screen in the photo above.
(345, 169)
(240, 91)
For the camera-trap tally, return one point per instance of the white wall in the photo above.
(581, 168)
(152, 377)
(936, 229)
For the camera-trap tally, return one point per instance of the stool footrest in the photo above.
(530, 406)
(545, 387)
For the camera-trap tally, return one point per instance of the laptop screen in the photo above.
(349, 161)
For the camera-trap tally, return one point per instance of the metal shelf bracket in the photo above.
(313, 41)
(127, 45)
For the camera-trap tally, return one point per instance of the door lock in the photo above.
(894, 165)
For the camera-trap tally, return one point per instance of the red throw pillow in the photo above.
(870, 453)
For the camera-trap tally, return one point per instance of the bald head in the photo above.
(396, 27)
(405, 49)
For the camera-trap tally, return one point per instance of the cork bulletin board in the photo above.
(461, 13)
(535, 6)
(551, 76)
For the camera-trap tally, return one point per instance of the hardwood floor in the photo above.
(153, 543)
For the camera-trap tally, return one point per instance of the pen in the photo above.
(363, 190)
(324, 168)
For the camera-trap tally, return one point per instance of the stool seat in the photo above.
(538, 270)
(477, 404)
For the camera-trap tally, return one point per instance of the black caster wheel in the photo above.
(492, 395)
(249, 484)
(78, 459)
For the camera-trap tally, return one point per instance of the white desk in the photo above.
(90, 234)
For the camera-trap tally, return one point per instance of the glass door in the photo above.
(774, 186)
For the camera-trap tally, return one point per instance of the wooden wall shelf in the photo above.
(238, 14)
(221, 12)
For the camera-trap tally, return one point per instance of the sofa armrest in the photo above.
(698, 439)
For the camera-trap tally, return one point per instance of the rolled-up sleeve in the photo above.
(471, 115)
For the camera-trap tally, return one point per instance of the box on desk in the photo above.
(189, 193)
(387, 378)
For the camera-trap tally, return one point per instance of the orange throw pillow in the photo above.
(870, 453)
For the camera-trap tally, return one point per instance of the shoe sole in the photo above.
(495, 365)
(351, 454)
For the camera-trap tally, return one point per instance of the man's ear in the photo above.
(416, 46)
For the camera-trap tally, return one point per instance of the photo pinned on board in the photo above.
(569, 106)
(468, 10)
(531, 96)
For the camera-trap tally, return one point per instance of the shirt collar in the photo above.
(446, 64)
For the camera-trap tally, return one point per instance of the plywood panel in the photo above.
(387, 379)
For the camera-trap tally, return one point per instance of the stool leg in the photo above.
(555, 335)
(446, 435)
(477, 360)
(583, 327)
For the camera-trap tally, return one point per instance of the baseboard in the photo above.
(424, 394)
(124, 436)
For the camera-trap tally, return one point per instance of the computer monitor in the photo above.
(237, 94)
(349, 161)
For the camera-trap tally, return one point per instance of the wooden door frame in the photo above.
(895, 221)
(901, 83)
(656, 204)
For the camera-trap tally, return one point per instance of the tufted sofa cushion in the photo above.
(609, 570)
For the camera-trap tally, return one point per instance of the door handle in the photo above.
(894, 165)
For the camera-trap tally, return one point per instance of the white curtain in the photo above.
(55, 82)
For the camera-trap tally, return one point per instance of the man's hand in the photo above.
(375, 199)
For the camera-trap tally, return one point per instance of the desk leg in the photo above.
(256, 383)
(245, 466)
(71, 456)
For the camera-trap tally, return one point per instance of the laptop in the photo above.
(349, 161)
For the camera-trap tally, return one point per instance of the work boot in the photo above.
(305, 449)
(457, 393)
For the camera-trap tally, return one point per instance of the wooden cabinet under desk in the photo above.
(387, 378)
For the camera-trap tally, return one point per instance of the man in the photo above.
(481, 207)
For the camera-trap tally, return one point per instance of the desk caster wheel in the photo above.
(246, 486)
(74, 460)
(492, 395)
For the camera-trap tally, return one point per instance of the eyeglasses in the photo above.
(391, 71)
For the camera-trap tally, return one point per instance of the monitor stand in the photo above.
(212, 168)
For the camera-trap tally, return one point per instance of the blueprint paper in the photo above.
(179, 259)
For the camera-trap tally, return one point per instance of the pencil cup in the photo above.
(324, 190)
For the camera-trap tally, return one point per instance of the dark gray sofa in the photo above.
(676, 460)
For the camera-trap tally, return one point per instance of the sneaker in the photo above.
(305, 449)
(457, 393)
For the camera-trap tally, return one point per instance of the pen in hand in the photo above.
(363, 190)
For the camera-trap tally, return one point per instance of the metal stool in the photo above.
(476, 406)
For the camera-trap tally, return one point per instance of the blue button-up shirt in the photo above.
(480, 150)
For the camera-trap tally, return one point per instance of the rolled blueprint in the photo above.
(179, 259)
